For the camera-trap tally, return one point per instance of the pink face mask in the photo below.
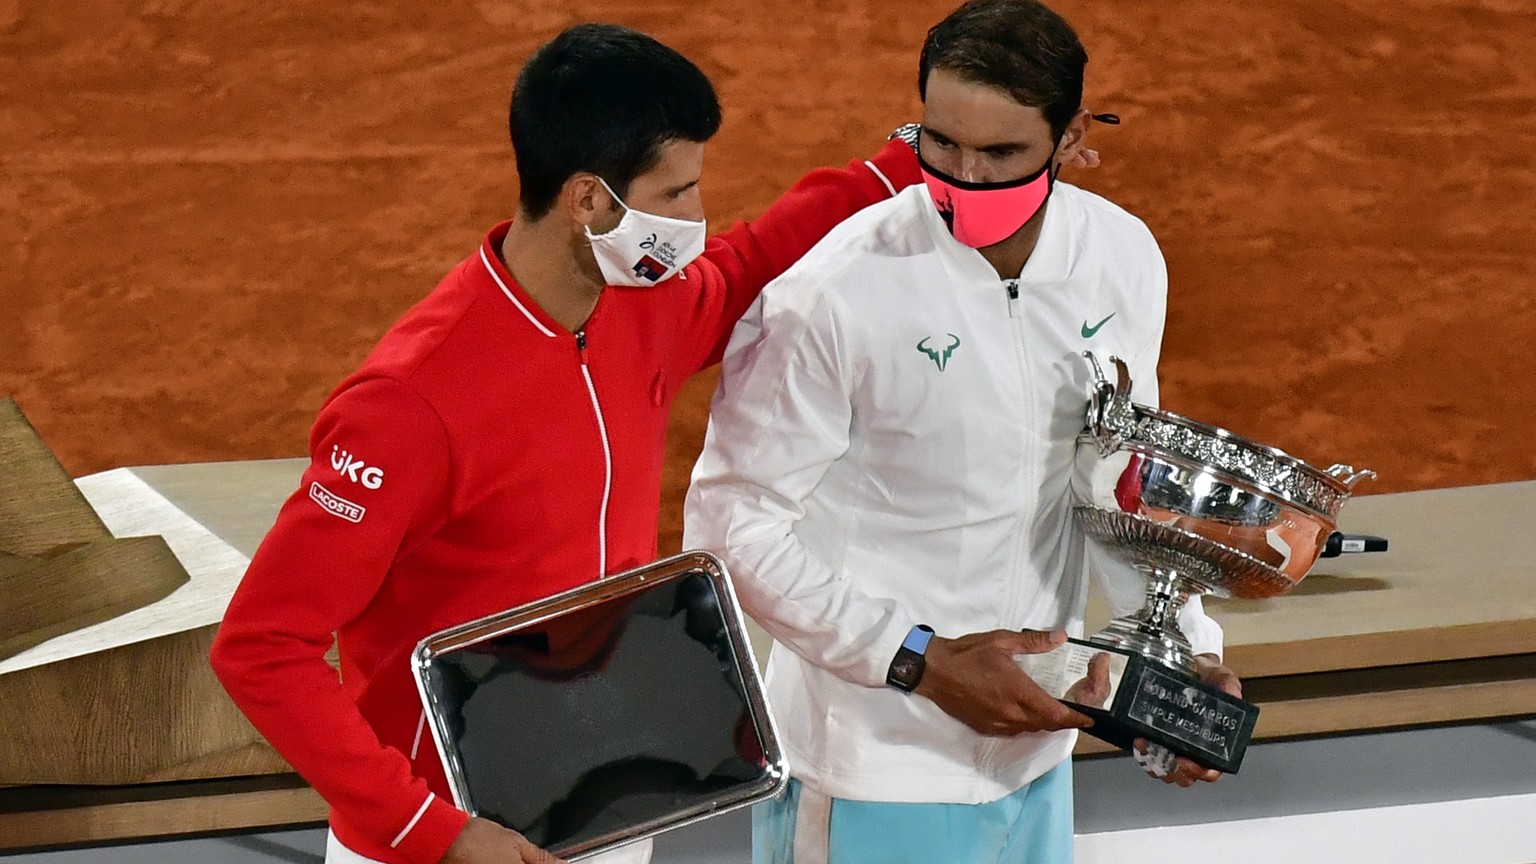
(983, 214)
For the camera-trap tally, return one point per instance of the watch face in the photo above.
(906, 669)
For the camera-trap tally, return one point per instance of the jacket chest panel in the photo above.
(962, 384)
(597, 418)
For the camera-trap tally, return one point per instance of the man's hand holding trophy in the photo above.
(1197, 510)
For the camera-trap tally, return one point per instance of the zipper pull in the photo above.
(581, 345)
(1012, 286)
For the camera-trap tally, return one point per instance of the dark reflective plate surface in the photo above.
(605, 720)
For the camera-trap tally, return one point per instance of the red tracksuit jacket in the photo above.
(482, 457)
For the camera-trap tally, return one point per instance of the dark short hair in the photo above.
(602, 98)
(1019, 46)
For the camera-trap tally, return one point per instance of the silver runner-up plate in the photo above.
(612, 712)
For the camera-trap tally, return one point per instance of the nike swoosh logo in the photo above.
(1089, 331)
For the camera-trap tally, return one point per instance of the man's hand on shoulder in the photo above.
(976, 680)
(484, 842)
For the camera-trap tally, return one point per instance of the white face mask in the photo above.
(645, 249)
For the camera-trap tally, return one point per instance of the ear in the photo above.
(585, 200)
(1074, 139)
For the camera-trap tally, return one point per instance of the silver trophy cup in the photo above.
(1198, 510)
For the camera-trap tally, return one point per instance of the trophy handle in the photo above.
(1109, 404)
(1349, 476)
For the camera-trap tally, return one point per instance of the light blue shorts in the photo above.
(1031, 826)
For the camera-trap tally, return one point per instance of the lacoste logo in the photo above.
(940, 358)
(1089, 331)
(355, 469)
(335, 504)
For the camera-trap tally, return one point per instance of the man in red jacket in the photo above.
(504, 441)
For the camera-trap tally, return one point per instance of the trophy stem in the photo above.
(1164, 600)
(1153, 630)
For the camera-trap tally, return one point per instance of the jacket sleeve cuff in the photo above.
(886, 643)
(435, 828)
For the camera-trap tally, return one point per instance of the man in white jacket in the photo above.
(888, 470)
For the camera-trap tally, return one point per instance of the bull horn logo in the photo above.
(940, 358)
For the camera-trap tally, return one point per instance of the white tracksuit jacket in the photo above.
(892, 444)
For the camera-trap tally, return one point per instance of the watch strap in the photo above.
(907, 666)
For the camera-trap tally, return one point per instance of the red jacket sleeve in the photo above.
(739, 262)
(376, 485)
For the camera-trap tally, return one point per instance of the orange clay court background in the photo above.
(210, 211)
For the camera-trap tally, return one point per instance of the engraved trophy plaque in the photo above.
(1197, 510)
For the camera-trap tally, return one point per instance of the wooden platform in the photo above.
(61, 569)
(1441, 629)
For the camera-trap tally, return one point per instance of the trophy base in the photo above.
(1151, 700)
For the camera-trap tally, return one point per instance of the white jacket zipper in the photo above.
(602, 432)
(986, 754)
(1021, 353)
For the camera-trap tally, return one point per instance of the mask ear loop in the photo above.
(1055, 171)
(617, 200)
(612, 194)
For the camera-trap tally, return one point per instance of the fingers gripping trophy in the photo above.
(1197, 510)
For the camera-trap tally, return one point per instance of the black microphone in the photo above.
(1339, 543)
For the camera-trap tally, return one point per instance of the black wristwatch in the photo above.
(907, 133)
(907, 667)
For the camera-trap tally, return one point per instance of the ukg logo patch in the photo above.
(355, 469)
(336, 505)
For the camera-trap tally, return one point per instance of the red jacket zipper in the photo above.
(602, 431)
